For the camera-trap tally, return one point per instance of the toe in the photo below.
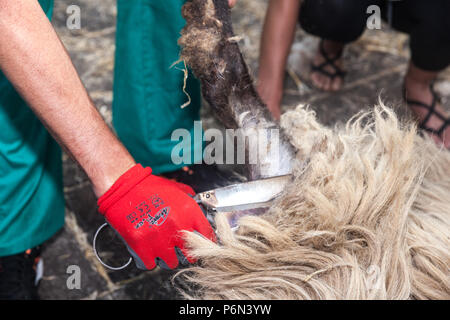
(315, 78)
(336, 84)
(326, 83)
(446, 138)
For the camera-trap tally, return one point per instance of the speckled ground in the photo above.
(376, 64)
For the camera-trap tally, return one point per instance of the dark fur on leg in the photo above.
(211, 51)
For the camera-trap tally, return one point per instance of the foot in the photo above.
(18, 277)
(327, 69)
(433, 123)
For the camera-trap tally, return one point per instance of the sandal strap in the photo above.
(439, 131)
(338, 72)
(431, 111)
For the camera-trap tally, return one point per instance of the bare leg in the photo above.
(277, 36)
(417, 86)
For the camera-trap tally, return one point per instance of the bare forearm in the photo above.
(36, 63)
(278, 34)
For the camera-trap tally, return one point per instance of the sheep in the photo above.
(368, 213)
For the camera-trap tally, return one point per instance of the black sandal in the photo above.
(338, 72)
(431, 111)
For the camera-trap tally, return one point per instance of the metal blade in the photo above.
(247, 195)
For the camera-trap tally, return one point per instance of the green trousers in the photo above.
(31, 188)
(148, 93)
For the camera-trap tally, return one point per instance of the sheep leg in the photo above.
(210, 49)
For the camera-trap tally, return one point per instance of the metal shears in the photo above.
(235, 200)
(247, 198)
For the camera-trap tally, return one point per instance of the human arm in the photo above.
(35, 61)
(37, 64)
(277, 36)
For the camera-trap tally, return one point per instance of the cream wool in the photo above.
(368, 217)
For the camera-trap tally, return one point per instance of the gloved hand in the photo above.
(149, 212)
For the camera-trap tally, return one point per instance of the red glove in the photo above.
(149, 212)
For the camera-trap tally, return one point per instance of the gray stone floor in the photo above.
(376, 64)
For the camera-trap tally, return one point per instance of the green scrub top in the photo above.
(148, 93)
(31, 188)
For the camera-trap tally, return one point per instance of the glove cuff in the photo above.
(122, 186)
